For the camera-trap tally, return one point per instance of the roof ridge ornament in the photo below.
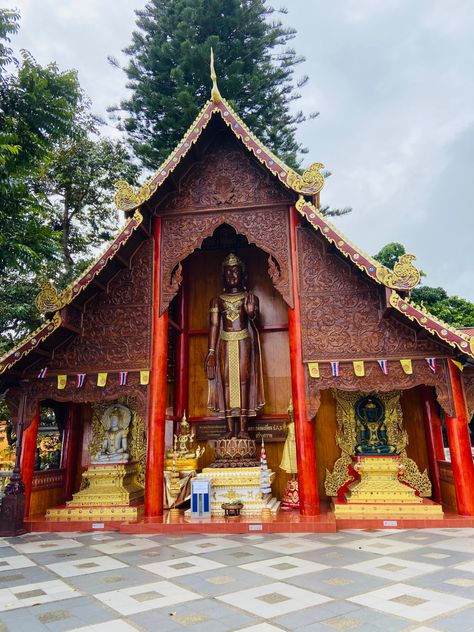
(49, 299)
(404, 276)
(215, 94)
(310, 183)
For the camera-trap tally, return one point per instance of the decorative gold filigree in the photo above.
(404, 276)
(396, 435)
(215, 94)
(48, 299)
(310, 183)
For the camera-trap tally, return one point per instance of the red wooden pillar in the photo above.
(432, 424)
(72, 433)
(28, 447)
(182, 354)
(304, 429)
(460, 446)
(157, 390)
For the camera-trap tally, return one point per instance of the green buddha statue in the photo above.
(371, 429)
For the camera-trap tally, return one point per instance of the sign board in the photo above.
(270, 429)
(200, 498)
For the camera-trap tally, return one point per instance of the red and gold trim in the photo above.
(310, 183)
(31, 342)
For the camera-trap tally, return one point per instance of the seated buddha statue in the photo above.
(114, 444)
(371, 429)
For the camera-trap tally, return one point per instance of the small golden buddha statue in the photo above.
(185, 452)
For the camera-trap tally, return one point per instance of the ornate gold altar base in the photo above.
(112, 491)
(231, 484)
(380, 494)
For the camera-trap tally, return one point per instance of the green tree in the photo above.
(453, 310)
(169, 73)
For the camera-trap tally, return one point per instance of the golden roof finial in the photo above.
(215, 94)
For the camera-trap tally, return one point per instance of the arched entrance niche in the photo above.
(201, 279)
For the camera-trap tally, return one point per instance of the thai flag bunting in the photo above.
(42, 373)
(432, 364)
(335, 369)
(383, 364)
(123, 378)
(80, 377)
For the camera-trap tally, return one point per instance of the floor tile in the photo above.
(182, 566)
(393, 568)
(274, 599)
(292, 545)
(146, 597)
(114, 625)
(381, 546)
(410, 602)
(205, 545)
(13, 562)
(457, 543)
(283, 567)
(261, 627)
(125, 546)
(31, 594)
(44, 546)
(85, 566)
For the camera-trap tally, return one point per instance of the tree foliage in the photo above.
(453, 310)
(169, 73)
(56, 181)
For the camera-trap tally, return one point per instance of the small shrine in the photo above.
(225, 295)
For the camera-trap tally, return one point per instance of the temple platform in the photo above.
(287, 521)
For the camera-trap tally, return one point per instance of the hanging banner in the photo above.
(42, 373)
(101, 379)
(383, 364)
(407, 366)
(123, 378)
(458, 364)
(313, 368)
(431, 363)
(144, 377)
(80, 378)
(335, 370)
(62, 382)
(359, 368)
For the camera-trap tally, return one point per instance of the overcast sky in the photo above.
(394, 83)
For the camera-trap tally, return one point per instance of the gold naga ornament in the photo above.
(404, 276)
(49, 299)
(310, 183)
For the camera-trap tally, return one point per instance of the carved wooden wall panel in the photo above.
(39, 390)
(228, 176)
(468, 379)
(342, 311)
(267, 228)
(375, 380)
(116, 324)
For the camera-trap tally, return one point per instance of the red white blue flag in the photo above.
(383, 364)
(80, 377)
(42, 373)
(432, 364)
(123, 378)
(335, 370)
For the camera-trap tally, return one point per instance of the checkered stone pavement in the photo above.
(391, 580)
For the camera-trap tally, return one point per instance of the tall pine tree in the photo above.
(169, 73)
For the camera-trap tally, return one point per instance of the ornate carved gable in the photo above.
(116, 324)
(226, 177)
(342, 311)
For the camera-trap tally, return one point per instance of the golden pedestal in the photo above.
(232, 484)
(112, 492)
(380, 494)
(183, 464)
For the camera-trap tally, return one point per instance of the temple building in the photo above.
(231, 352)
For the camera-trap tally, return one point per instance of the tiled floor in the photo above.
(359, 581)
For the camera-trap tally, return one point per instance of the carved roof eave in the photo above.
(310, 183)
(67, 296)
(378, 272)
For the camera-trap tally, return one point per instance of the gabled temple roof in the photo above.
(403, 278)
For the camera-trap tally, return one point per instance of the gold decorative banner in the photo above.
(359, 368)
(144, 377)
(407, 366)
(62, 382)
(101, 379)
(458, 364)
(313, 368)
